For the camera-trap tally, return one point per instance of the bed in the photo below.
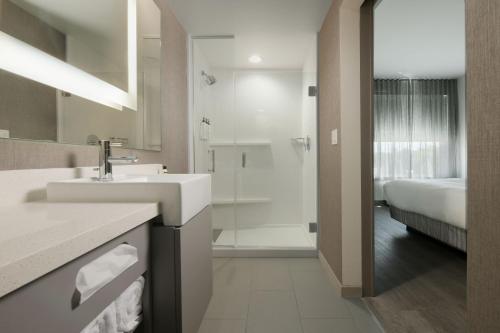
(435, 207)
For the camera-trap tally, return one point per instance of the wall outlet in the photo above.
(4, 134)
(335, 137)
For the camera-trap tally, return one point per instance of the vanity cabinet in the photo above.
(49, 304)
(182, 274)
(176, 262)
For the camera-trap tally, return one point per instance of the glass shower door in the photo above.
(253, 204)
(269, 162)
(263, 178)
(213, 131)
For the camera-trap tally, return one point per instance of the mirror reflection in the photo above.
(92, 36)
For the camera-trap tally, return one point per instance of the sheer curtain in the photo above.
(416, 124)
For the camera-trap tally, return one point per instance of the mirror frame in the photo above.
(27, 61)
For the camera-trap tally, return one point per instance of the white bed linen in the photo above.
(440, 199)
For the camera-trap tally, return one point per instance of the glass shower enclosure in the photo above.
(254, 130)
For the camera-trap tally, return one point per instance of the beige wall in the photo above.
(483, 126)
(350, 144)
(483, 123)
(340, 165)
(330, 215)
(16, 154)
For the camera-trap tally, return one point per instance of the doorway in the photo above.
(414, 163)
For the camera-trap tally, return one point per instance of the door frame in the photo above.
(367, 126)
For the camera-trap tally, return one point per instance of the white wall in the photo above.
(269, 107)
(462, 129)
(223, 180)
(257, 107)
(202, 108)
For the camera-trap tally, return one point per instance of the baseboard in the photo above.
(352, 292)
(344, 291)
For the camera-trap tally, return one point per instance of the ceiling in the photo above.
(280, 31)
(420, 39)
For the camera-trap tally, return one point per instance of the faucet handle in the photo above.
(109, 143)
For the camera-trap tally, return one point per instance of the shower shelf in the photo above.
(264, 143)
(243, 201)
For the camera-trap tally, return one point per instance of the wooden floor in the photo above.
(420, 283)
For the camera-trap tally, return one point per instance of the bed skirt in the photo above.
(444, 232)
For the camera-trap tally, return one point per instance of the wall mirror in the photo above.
(76, 71)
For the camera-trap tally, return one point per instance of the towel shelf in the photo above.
(45, 305)
(100, 272)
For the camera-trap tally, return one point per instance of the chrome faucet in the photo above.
(106, 161)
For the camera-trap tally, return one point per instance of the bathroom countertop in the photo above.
(38, 237)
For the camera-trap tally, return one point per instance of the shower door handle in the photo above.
(243, 160)
(212, 170)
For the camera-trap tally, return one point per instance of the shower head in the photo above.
(209, 79)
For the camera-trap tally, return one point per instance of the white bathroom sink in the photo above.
(181, 197)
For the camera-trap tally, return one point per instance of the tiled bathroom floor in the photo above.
(280, 296)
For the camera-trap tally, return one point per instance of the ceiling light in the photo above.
(255, 59)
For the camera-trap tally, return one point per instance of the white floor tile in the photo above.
(230, 304)
(363, 318)
(222, 326)
(321, 304)
(272, 275)
(220, 262)
(306, 280)
(341, 325)
(305, 264)
(281, 296)
(233, 276)
(273, 312)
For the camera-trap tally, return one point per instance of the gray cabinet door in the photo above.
(182, 274)
(195, 243)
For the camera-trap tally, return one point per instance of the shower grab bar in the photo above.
(243, 160)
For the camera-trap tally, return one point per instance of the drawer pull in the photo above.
(101, 271)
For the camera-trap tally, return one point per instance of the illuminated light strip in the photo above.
(27, 61)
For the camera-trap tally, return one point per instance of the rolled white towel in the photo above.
(98, 273)
(129, 307)
(106, 322)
